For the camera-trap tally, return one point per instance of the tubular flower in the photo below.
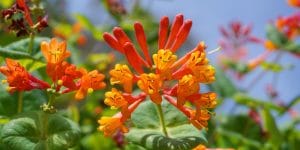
(55, 53)
(89, 82)
(199, 118)
(234, 45)
(163, 60)
(198, 64)
(19, 79)
(151, 85)
(110, 125)
(187, 86)
(155, 76)
(122, 75)
(115, 99)
(70, 74)
(204, 101)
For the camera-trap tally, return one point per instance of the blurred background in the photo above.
(245, 92)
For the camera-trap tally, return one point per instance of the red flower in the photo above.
(19, 79)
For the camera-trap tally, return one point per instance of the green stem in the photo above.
(51, 99)
(31, 42)
(162, 120)
(20, 101)
(44, 123)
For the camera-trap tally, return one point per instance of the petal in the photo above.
(141, 38)
(133, 58)
(177, 23)
(80, 94)
(121, 36)
(163, 32)
(182, 35)
(45, 50)
(112, 42)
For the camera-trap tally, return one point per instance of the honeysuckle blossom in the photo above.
(66, 77)
(19, 79)
(152, 76)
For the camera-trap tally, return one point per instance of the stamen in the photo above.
(215, 50)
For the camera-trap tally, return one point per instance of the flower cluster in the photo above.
(285, 33)
(234, 42)
(65, 77)
(162, 77)
(24, 25)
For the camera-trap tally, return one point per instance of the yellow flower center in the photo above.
(187, 86)
(151, 84)
(114, 99)
(122, 75)
(163, 61)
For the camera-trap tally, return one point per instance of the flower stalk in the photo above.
(20, 101)
(162, 119)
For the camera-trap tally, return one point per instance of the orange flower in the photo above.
(187, 86)
(204, 100)
(200, 147)
(294, 3)
(110, 125)
(198, 65)
(69, 73)
(19, 79)
(122, 75)
(289, 25)
(55, 53)
(155, 76)
(151, 84)
(199, 118)
(269, 45)
(163, 61)
(89, 82)
(115, 99)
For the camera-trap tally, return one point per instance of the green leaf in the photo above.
(91, 141)
(247, 100)
(88, 25)
(223, 85)
(7, 53)
(147, 131)
(22, 45)
(272, 66)
(237, 138)
(32, 100)
(34, 131)
(278, 38)
(19, 49)
(270, 126)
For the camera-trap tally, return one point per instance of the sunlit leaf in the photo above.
(147, 131)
